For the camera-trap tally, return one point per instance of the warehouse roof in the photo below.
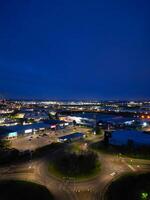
(53, 121)
(21, 128)
(121, 137)
(71, 136)
(4, 131)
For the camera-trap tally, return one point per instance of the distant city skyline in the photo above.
(75, 50)
(76, 100)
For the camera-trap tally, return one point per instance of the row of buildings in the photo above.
(14, 131)
(105, 120)
(124, 130)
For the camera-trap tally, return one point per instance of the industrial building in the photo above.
(14, 131)
(7, 133)
(57, 123)
(124, 137)
(78, 120)
(90, 119)
(71, 137)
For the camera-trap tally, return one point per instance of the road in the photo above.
(37, 171)
(112, 166)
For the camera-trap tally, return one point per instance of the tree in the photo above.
(99, 131)
(74, 123)
(4, 144)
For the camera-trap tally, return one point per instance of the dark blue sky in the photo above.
(75, 49)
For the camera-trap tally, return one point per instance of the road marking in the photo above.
(113, 174)
(132, 168)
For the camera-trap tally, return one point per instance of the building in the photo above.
(6, 133)
(124, 137)
(71, 137)
(56, 124)
(78, 120)
(14, 131)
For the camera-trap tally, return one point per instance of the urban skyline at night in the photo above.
(75, 100)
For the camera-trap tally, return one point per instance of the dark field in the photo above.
(22, 190)
(130, 187)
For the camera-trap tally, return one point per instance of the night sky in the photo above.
(75, 49)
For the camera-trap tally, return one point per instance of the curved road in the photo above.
(69, 189)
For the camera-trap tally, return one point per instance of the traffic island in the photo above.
(23, 190)
(81, 165)
(131, 186)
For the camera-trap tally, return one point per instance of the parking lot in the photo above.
(34, 141)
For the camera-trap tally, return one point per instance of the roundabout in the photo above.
(72, 185)
(79, 166)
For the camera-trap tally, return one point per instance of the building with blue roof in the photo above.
(123, 137)
(71, 137)
(6, 133)
(14, 131)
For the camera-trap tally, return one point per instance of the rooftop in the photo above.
(122, 137)
(71, 136)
